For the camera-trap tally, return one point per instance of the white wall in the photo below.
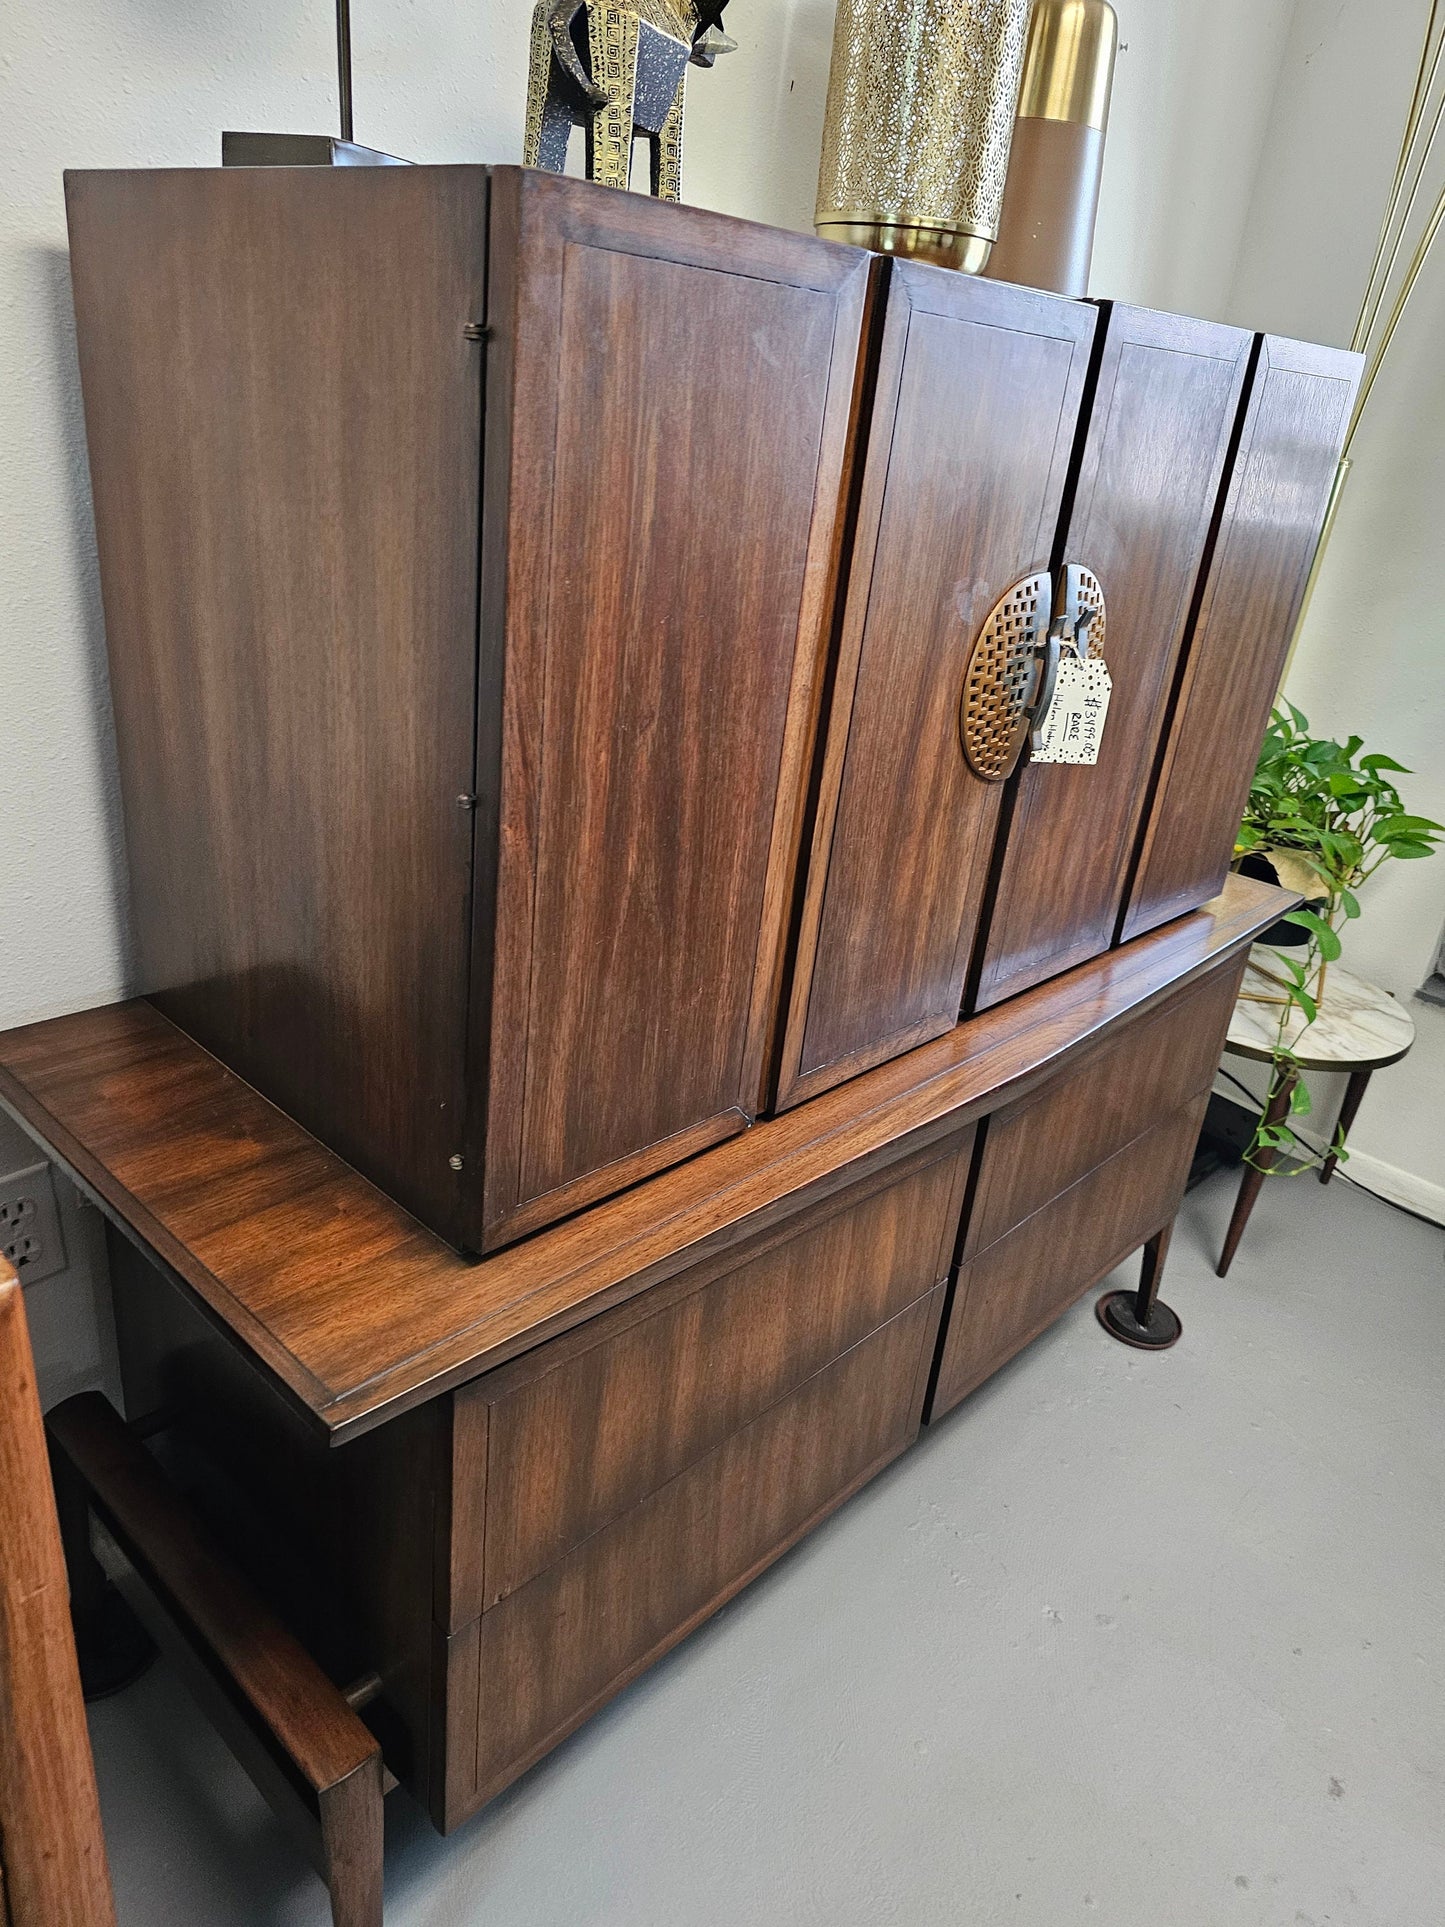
(1244, 150)
(1372, 656)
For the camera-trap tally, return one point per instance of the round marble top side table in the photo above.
(1360, 1029)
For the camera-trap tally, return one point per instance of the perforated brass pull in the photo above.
(1002, 673)
(1082, 609)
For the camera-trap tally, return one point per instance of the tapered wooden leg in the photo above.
(1255, 1173)
(612, 41)
(351, 1839)
(1137, 1317)
(1354, 1091)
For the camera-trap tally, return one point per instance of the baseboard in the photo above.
(1388, 1181)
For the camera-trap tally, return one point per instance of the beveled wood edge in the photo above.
(695, 1210)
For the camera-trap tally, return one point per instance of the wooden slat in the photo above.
(358, 1313)
(54, 1870)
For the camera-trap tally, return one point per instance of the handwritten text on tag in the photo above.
(1074, 727)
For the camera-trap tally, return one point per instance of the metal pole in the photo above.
(343, 63)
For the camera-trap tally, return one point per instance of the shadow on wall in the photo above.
(53, 273)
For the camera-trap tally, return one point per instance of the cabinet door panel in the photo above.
(1010, 1293)
(1299, 409)
(674, 396)
(973, 422)
(1164, 410)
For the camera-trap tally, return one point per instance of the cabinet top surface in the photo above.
(356, 1313)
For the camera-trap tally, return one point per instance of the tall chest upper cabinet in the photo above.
(1013, 436)
(464, 740)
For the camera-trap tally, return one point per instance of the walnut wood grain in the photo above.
(586, 1426)
(1164, 407)
(1297, 412)
(972, 424)
(1043, 1144)
(53, 1870)
(284, 425)
(669, 379)
(465, 747)
(1011, 1292)
(357, 1313)
(554, 1651)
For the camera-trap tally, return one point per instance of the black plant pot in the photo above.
(1281, 935)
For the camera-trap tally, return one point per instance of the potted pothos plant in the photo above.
(1324, 818)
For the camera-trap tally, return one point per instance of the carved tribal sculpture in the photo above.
(616, 70)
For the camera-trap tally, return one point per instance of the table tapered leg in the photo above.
(1354, 1091)
(1137, 1317)
(1255, 1173)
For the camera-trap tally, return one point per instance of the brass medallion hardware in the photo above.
(1003, 668)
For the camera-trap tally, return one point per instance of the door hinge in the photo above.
(476, 331)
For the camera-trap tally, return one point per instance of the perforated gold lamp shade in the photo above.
(921, 100)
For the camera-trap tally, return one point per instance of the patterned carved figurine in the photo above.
(615, 70)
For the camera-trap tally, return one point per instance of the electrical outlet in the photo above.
(30, 1223)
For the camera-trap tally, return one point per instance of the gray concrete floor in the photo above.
(1144, 1640)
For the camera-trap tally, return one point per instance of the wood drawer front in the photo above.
(977, 402)
(1036, 1149)
(590, 1424)
(1009, 1293)
(551, 1653)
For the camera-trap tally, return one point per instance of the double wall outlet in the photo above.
(30, 1223)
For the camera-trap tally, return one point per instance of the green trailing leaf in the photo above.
(1300, 1102)
(1324, 936)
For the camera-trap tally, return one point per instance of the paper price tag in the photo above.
(1074, 727)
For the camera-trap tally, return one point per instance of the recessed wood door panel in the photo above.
(1299, 408)
(585, 1427)
(1012, 1291)
(674, 398)
(1164, 410)
(552, 1652)
(1039, 1147)
(974, 417)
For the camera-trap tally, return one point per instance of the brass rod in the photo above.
(1337, 489)
(1412, 123)
(1412, 275)
(1420, 166)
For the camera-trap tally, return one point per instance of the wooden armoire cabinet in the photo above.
(574, 661)
(466, 542)
(480, 552)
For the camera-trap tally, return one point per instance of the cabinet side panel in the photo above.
(1299, 410)
(978, 397)
(1164, 412)
(284, 418)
